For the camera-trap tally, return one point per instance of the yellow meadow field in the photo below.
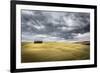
(53, 51)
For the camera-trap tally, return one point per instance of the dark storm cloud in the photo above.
(53, 25)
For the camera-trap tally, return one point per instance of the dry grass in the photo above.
(54, 51)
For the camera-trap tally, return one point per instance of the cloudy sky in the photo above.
(55, 26)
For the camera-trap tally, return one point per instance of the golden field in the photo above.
(53, 51)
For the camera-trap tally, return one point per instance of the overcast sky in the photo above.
(54, 26)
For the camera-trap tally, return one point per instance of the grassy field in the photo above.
(53, 51)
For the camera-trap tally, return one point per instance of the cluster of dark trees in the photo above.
(38, 41)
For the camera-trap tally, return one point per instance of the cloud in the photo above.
(83, 37)
(57, 25)
(41, 37)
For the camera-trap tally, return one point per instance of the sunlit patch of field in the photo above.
(53, 51)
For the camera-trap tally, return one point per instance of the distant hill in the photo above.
(84, 42)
